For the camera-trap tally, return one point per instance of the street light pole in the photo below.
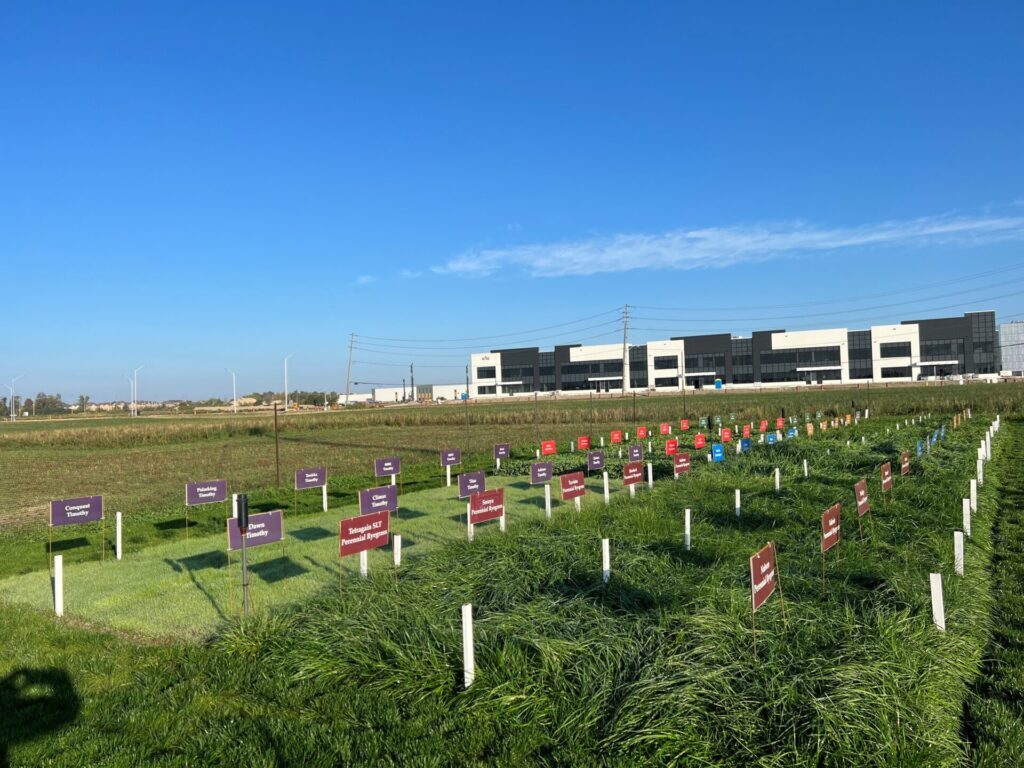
(135, 389)
(286, 382)
(14, 407)
(131, 395)
(234, 390)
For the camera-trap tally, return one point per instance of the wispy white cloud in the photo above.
(365, 279)
(409, 274)
(716, 247)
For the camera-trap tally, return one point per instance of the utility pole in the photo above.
(625, 349)
(348, 376)
(234, 390)
(14, 399)
(286, 383)
(135, 389)
(412, 382)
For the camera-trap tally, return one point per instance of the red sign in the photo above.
(726, 435)
(746, 430)
(762, 575)
(682, 462)
(764, 425)
(616, 436)
(860, 492)
(684, 424)
(830, 527)
(905, 463)
(547, 447)
(486, 505)
(671, 447)
(363, 532)
(699, 441)
(583, 443)
(641, 433)
(665, 429)
(887, 476)
(573, 485)
(780, 423)
(633, 472)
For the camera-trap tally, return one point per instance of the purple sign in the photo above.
(502, 451)
(541, 472)
(470, 483)
(636, 453)
(387, 467)
(208, 492)
(595, 460)
(87, 509)
(378, 500)
(451, 456)
(264, 528)
(313, 477)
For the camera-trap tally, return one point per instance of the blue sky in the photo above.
(192, 187)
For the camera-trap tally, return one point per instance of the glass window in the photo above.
(895, 349)
(485, 373)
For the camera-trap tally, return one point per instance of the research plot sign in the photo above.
(830, 527)
(358, 534)
(487, 505)
(762, 575)
(383, 499)
(264, 528)
(312, 477)
(207, 492)
(470, 483)
(541, 472)
(595, 460)
(386, 467)
(87, 509)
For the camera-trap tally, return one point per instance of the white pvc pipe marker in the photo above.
(737, 502)
(468, 660)
(234, 505)
(974, 495)
(805, 467)
(958, 552)
(776, 479)
(938, 609)
(324, 489)
(650, 475)
(448, 475)
(58, 585)
(469, 525)
(117, 535)
(607, 493)
(981, 472)
(397, 545)
(686, 530)
(364, 564)
(967, 516)
(606, 560)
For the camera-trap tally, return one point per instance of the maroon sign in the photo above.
(780, 423)
(573, 485)
(451, 456)
(727, 435)
(887, 476)
(665, 429)
(616, 436)
(486, 505)
(746, 430)
(641, 433)
(264, 528)
(358, 534)
(583, 443)
(633, 472)
(699, 441)
(314, 477)
(671, 447)
(860, 492)
(764, 425)
(541, 472)
(548, 448)
(684, 424)
(87, 509)
(681, 462)
(386, 467)
(905, 463)
(595, 460)
(208, 492)
(502, 451)
(380, 499)
(762, 575)
(636, 453)
(830, 527)
(470, 483)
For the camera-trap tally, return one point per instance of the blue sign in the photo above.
(464, 396)
(718, 383)
(935, 437)
(792, 432)
(745, 444)
(718, 452)
(943, 432)
(771, 438)
(920, 449)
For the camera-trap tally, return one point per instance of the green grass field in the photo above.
(656, 667)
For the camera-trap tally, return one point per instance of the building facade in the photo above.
(910, 351)
(1011, 344)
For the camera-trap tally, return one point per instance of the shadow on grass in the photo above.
(313, 533)
(173, 525)
(278, 569)
(201, 561)
(34, 702)
(66, 544)
(404, 513)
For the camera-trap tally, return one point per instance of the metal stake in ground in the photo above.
(243, 529)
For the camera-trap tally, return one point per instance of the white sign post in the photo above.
(397, 545)
(607, 493)
(117, 535)
(974, 495)
(234, 505)
(981, 472)
(448, 474)
(364, 564)
(938, 609)
(737, 502)
(468, 660)
(324, 489)
(958, 552)
(967, 516)
(606, 560)
(58, 585)
(547, 500)
(469, 524)
(777, 481)
(650, 475)
(805, 467)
